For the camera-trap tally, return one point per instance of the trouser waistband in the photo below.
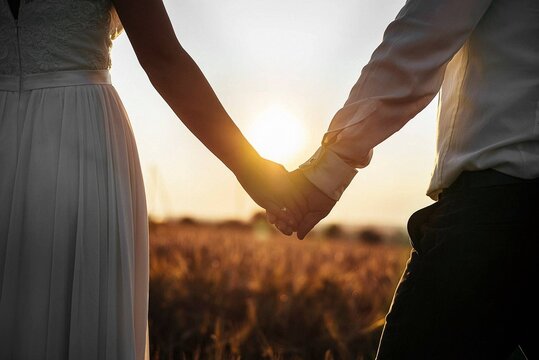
(483, 178)
(53, 79)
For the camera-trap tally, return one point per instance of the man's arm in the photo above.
(403, 75)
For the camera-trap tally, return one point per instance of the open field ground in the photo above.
(231, 292)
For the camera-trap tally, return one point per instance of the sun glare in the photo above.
(277, 135)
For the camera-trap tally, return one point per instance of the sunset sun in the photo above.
(277, 134)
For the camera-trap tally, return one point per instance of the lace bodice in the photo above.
(55, 35)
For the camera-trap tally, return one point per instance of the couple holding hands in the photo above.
(73, 219)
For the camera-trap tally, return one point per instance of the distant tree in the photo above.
(370, 235)
(260, 224)
(152, 224)
(234, 224)
(189, 221)
(399, 237)
(258, 217)
(333, 231)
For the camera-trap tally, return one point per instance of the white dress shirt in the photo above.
(483, 54)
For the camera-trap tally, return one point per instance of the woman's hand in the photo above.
(270, 186)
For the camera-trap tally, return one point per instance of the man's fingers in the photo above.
(301, 204)
(308, 223)
(299, 197)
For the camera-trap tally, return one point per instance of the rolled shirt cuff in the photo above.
(328, 172)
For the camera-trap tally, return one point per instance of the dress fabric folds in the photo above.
(73, 217)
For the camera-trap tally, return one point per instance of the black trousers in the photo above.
(466, 292)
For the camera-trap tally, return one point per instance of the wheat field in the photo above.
(243, 292)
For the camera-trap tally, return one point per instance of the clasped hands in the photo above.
(292, 202)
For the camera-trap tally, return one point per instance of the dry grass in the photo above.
(234, 293)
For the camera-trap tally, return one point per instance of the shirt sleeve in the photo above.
(404, 74)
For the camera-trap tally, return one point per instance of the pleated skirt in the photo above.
(73, 222)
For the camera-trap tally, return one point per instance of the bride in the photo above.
(73, 218)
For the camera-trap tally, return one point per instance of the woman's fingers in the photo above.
(284, 228)
(281, 217)
(279, 213)
(281, 225)
(270, 217)
(293, 210)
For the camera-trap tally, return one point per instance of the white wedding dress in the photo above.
(73, 219)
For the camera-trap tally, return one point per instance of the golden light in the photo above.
(277, 135)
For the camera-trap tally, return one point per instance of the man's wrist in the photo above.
(328, 172)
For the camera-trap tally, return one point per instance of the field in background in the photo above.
(234, 291)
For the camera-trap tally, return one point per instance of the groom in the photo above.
(466, 292)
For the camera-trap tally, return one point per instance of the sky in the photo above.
(287, 63)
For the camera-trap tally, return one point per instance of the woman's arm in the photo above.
(182, 85)
(180, 82)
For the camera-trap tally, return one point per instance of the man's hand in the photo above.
(272, 188)
(318, 207)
